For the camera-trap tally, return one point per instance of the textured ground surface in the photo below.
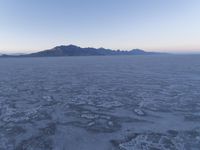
(100, 103)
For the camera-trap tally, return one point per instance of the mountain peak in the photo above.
(66, 46)
(139, 50)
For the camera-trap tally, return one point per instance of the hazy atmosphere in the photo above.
(99, 75)
(153, 25)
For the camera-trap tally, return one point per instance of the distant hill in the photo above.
(12, 55)
(72, 50)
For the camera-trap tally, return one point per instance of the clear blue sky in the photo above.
(153, 25)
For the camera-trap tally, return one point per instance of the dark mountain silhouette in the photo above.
(72, 50)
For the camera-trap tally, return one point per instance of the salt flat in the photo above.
(101, 103)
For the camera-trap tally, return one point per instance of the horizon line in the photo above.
(147, 50)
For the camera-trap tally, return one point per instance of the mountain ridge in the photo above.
(73, 50)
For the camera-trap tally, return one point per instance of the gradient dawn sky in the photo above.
(153, 25)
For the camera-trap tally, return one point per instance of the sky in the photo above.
(153, 25)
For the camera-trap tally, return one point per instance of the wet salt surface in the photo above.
(109, 103)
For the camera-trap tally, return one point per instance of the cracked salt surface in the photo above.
(172, 140)
(109, 103)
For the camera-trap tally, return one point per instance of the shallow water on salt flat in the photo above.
(101, 103)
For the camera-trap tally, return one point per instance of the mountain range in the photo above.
(73, 50)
